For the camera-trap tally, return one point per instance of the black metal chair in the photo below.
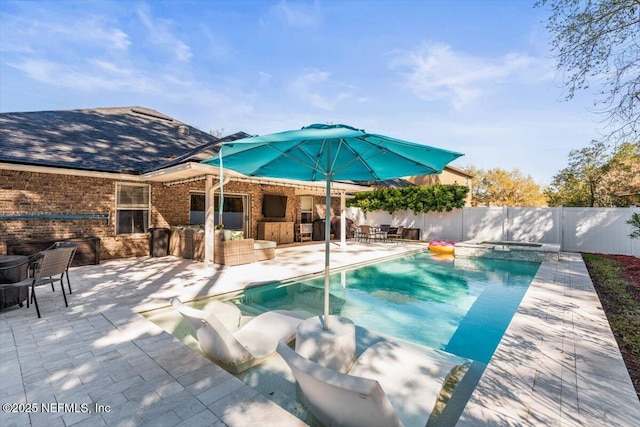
(57, 245)
(383, 232)
(397, 235)
(47, 267)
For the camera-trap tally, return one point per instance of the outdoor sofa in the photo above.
(242, 251)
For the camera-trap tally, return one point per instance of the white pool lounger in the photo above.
(248, 346)
(391, 384)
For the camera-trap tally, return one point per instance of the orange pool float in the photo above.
(442, 257)
(442, 247)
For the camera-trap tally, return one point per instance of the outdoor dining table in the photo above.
(13, 269)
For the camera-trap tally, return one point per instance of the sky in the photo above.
(476, 77)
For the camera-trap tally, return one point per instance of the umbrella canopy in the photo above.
(323, 152)
(342, 152)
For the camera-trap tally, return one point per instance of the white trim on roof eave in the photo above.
(179, 172)
(193, 169)
(185, 170)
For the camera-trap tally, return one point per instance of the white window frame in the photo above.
(119, 185)
(306, 211)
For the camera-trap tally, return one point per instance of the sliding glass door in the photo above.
(236, 211)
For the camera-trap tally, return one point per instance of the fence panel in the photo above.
(542, 225)
(442, 226)
(484, 223)
(407, 219)
(359, 217)
(601, 230)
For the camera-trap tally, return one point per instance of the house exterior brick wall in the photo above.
(40, 193)
(36, 193)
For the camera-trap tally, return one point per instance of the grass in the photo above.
(617, 282)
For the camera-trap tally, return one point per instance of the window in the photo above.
(197, 209)
(233, 211)
(235, 215)
(132, 208)
(306, 208)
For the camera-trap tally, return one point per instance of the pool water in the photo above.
(462, 307)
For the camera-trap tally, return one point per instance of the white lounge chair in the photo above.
(250, 345)
(390, 385)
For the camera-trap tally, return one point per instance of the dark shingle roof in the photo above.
(126, 140)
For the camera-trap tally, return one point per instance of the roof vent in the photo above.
(183, 130)
(151, 114)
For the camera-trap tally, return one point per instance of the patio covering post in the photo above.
(208, 220)
(343, 220)
(327, 248)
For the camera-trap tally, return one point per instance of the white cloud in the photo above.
(97, 32)
(162, 36)
(316, 87)
(30, 35)
(217, 48)
(264, 77)
(298, 14)
(436, 71)
(93, 75)
(101, 77)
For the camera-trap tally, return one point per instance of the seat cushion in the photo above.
(264, 244)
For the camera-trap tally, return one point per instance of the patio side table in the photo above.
(334, 348)
(13, 269)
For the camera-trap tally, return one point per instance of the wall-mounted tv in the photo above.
(274, 206)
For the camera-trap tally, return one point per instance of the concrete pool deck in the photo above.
(558, 364)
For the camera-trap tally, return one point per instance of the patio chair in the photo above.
(383, 232)
(391, 384)
(397, 235)
(47, 267)
(248, 346)
(57, 245)
(363, 233)
(306, 232)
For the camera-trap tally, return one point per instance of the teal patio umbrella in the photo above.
(323, 152)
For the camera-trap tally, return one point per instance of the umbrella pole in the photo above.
(327, 247)
(221, 200)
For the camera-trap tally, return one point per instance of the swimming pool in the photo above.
(462, 307)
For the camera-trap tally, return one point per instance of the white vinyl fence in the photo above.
(601, 230)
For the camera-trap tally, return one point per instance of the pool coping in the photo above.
(561, 357)
(559, 353)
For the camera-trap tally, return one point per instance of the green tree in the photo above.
(500, 187)
(620, 184)
(597, 177)
(597, 41)
(566, 189)
(578, 184)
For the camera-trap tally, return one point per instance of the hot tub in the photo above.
(508, 250)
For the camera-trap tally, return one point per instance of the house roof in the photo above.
(125, 142)
(132, 140)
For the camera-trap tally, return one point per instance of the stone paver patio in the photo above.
(558, 364)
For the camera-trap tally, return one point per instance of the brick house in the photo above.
(114, 173)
